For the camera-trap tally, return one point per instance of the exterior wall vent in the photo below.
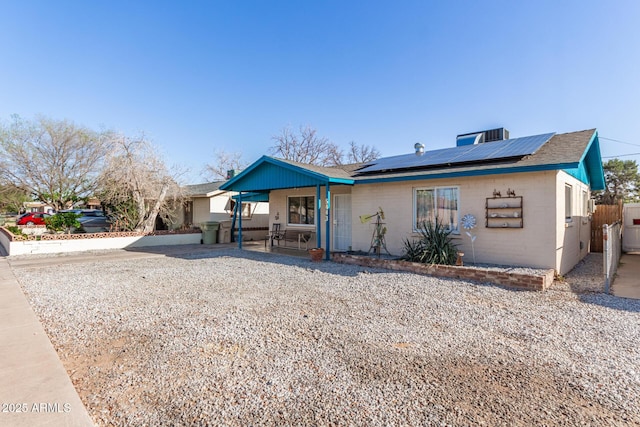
(419, 148)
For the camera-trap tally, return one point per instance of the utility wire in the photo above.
(621, 155)
(621, 142)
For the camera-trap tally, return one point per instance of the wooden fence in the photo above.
(604, 214)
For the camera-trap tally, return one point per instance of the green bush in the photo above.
(64, 221)
(14, 229)
(435, 245)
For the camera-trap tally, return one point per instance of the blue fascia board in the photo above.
(482, 172)
(341, 181)
(590, 170)
(316, 175)
(252, 197)
(262, 171)
(594, 164)
(229, 184)
(579, 173)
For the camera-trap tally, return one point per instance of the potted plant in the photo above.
(316, 254)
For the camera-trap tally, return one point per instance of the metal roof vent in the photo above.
(419, 148)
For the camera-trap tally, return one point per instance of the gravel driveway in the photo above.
(243, 338)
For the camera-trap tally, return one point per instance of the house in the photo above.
(530, 197)
(37, 207)
(207, 202)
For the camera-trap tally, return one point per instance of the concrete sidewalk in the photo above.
(627, 281)
(35, 389)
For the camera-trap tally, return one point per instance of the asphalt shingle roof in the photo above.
(202, 189)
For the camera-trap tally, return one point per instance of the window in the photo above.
(568, 205)
(301, 210)
(585, 203)
(441, 203)
(231, 206)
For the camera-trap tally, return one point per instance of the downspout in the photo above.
(318, 216)
(328, 222)
(239, 207)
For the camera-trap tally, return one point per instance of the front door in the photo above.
(342, 222)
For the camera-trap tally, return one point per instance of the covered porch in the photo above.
(306, 212)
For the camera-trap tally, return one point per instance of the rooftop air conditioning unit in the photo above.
(498, 134)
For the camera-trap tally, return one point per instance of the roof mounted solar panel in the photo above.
(485, 152)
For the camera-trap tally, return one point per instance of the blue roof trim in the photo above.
(590, 170)
(482, 172)
(252, 197)
(268, 173)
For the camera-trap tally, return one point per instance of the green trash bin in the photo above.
(210, 232)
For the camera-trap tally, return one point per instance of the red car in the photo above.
(32, 218)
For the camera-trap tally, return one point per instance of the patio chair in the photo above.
(276, 233)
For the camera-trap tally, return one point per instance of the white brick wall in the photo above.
(530, 245)
(572, 238)
(534, 245)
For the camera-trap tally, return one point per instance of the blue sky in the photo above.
(196, 76)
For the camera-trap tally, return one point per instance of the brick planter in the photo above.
(60, 243)
(531, 282)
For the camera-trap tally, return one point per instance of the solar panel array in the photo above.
(488, 151)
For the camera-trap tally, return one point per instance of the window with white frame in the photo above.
(438, 202)
(246, 208)
(568, 202)
(301, 210)
(585, 203)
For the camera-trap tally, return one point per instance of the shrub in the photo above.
(434, 246)
(14, 229)
(64, 221)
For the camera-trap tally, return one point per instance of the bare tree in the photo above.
(56, 161)
(361, 153)
(137, 184)
(224, 162)
(12, 198)
(305, 147)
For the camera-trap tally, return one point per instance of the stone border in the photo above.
(531, 282)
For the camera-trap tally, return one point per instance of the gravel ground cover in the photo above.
(241, 338)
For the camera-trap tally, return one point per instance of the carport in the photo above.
(269, 173)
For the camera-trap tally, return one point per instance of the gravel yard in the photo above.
(244, 338)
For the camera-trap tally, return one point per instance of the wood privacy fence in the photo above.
(604, 214)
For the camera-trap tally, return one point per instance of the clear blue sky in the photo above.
(197, 76)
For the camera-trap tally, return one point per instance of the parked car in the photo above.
(94, 221)
(32, 218)
(91, 220)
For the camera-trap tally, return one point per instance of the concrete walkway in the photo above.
(627, 281)
(35, 389)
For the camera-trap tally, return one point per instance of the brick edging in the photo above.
(531, 282)
(80, 236)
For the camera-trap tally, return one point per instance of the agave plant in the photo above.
(435, 245)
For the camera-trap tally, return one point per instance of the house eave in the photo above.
(471, 173)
